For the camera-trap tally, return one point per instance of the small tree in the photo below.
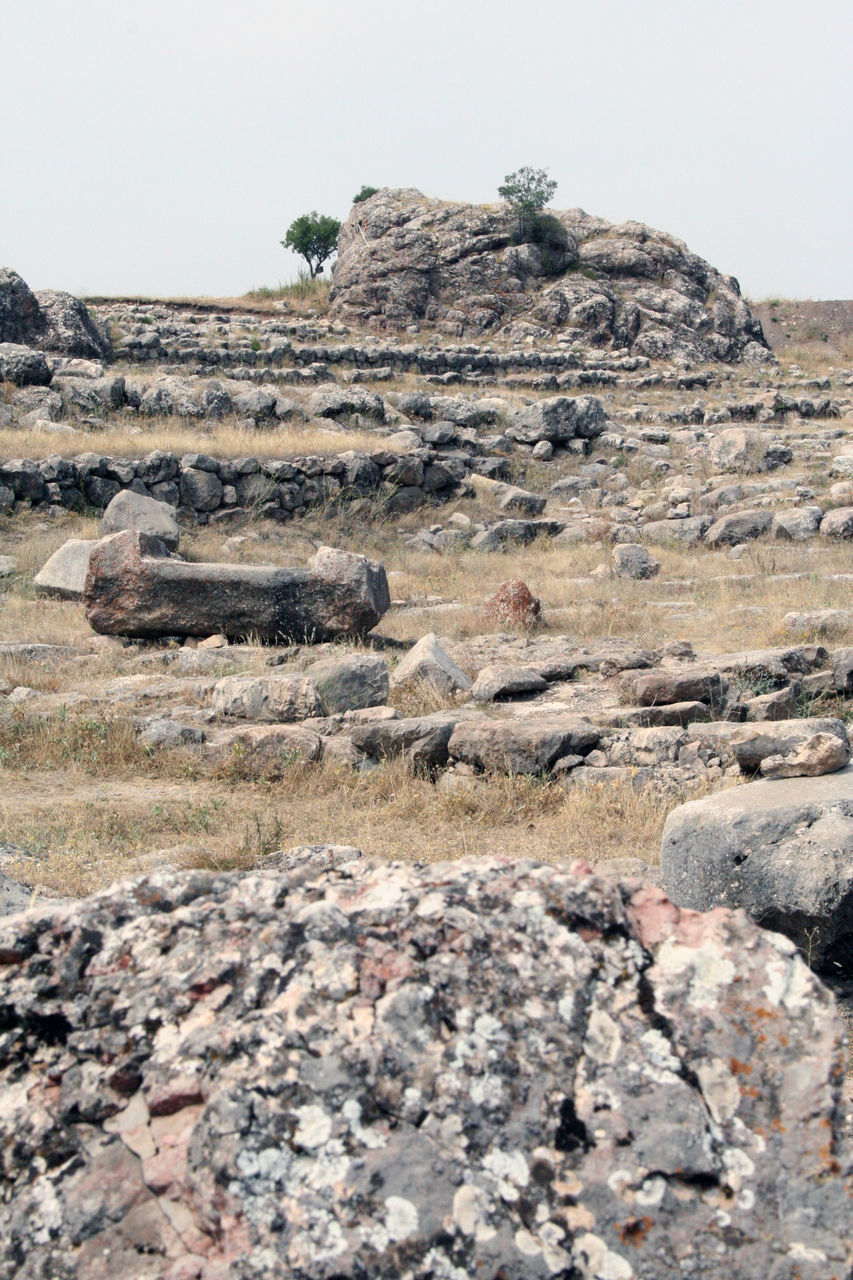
(314, 237)
(526, 192)
(364, 194)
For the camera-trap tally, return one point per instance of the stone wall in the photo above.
(213, 489)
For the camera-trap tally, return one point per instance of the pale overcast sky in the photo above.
(164, 146)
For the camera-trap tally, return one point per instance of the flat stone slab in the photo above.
(133, 588)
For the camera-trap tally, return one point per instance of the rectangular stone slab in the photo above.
(133, 588)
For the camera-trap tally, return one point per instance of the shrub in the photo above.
(364, 194)
(526, 191)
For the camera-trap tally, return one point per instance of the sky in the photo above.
(164, 148)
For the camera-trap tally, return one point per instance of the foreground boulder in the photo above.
(134, 588)
(469, 1069)
(782, 850)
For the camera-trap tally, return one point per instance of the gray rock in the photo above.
(14, 897)
(64, 573)
(133, 588)
(502, 680)
(23, 365)
(426, 663)
(159, 731)
(558, 419)
(69, 328)
(262, 750)
(521, 746)
(332, 401)
(631, 560)
(423, 740)
(405, 259)
(590, 1042)
(687, 684)
(276, 699)
(201, 490)
(129, 510)
(347, 683)
(738, 526)
(837, 523)
(686, 532)
(752, 744)
(797, 525)
(781, 850)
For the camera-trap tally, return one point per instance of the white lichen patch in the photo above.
(401, 1218)
(486, 1091)
(370, 1138)
(510, 1170)
(314, 1127)
(702, 972)
(600, 1263)
(720, 1089)
(603, 1037)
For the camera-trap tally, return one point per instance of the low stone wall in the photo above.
(212, 489)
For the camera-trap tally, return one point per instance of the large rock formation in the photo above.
(405, 259)
(469, 1069)
(49, 320)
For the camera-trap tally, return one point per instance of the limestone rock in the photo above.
(801, 743)
(502, 680)
(738, 526)
(521, 746)
(405, 259)
(276, 699)
(129, 510)
(23, 365)
(464, 1069)
(347, 683)
(631, 560)
(427, 663)
(64, 573)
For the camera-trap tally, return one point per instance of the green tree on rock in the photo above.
(314, 237)
(526, 191)
(364, 194)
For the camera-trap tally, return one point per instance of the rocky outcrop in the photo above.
(49, 320)
(134, 588)
(405, 260)
(464, 1069)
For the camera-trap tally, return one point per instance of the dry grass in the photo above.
(133, 438)
(120, 825)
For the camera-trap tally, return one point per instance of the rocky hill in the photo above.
(406, 260)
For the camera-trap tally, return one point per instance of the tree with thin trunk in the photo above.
(526, 191)
(314, 237)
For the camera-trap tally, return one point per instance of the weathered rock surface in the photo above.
(405, 259)
(426, 663)
(467, 1069)
(795, 740)
(134, 589)
(135, 511)
(64, 573)
(511, 746)
(782, 850)
(49, 319)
